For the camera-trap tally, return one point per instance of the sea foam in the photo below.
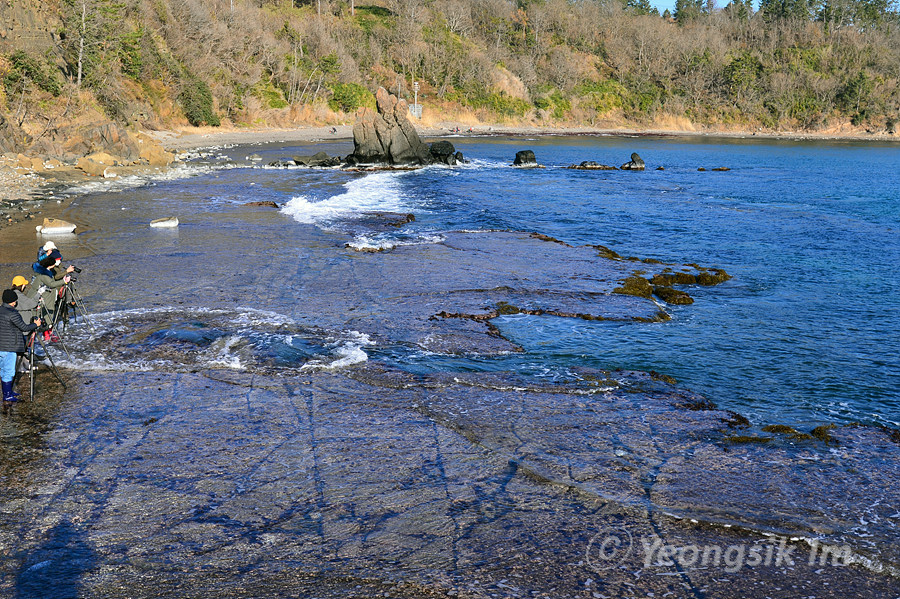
(378, 192)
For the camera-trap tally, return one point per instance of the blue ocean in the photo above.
(803, 334)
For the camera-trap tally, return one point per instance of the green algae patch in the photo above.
(712, 276)
(780, 428)
(736, 420)
(673, 296)
(605, 252)
(543, 237)
(742, 439)
(822, 433)
(505, 308)
(657, 376)
(635, 285)
(667, 279)
(697, 405)
(783, 429)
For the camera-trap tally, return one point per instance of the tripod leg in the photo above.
(31, 365)
(52, 364)
(79, 303)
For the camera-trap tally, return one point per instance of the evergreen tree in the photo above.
(774, 10)
(686, 10)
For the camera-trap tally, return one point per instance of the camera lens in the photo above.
(76, 268)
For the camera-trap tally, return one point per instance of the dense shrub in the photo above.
(43, 74)
(197, 102)
(348, 97)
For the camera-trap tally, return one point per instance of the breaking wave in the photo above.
(377, 192)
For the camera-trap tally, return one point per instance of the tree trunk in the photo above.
(81, 40)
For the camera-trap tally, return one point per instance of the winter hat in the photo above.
(56, 255)
(19, 280)
(49, 246)
(9, 296)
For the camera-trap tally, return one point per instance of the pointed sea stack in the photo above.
(387, 136)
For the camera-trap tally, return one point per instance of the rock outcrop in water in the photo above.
(636, 163)
(444, 152)
(525, 158)
(317, 159)
(386, 136)
(591, 165)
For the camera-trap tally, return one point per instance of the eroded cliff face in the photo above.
(29, 25)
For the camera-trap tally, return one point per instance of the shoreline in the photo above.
(193, 139)
(24, 191)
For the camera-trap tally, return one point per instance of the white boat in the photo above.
(165, 223)
(53, 226)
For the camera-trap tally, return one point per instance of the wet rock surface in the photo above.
(224, 435)
(525, 158)
(635, 164)
(385, 135)
(591, 165)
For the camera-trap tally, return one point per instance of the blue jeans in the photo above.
(7, 366)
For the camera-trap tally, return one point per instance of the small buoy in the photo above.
(161, 223)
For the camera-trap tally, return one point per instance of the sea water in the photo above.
(804, 332)
(261, 371)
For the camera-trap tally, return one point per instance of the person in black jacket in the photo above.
(11, 342)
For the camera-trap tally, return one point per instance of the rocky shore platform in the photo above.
(245, 432)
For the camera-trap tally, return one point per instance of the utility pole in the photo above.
(417, 112)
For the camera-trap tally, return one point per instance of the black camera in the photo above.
(75, 268)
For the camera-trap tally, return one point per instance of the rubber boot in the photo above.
(8, 392)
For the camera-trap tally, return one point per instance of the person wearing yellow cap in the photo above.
(27, 303)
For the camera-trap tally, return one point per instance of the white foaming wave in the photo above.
(482, 163)
(378, 192)
(99, 363)
(225, 355)
(182, 171)
(345, 352)
(375, 243)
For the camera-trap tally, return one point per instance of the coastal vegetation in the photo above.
(797, 65)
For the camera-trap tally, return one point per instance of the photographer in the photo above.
(27, 303)
(11, 342)
(45, 250)
(46, 275)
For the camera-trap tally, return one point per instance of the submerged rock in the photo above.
(673, 296)
(590, 165)
(320, 159)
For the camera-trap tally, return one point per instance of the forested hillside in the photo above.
(792, 65)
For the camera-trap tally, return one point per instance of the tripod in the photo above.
(35, 336)
(71, 297)
(51, 318)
